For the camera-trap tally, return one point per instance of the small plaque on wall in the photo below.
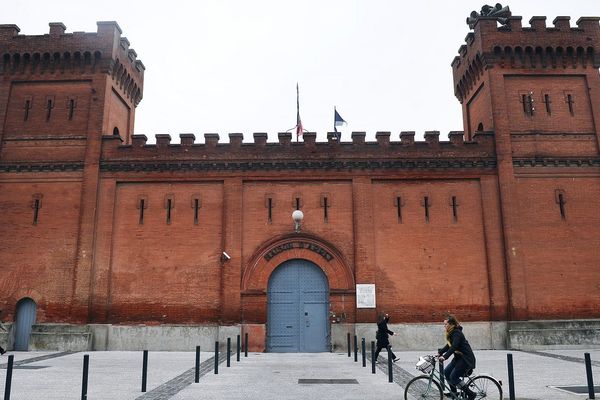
(365, 295)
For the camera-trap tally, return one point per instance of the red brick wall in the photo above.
(479, 110)
(38, 94)
(37, 261)
(166, 272)
(119, 115)
(428, 268)
(560, 257)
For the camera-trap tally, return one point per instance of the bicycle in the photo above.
(430, 386)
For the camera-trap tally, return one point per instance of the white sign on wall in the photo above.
(365, 295)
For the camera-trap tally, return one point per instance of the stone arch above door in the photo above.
(256, 275)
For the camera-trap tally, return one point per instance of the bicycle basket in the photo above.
(426, 364)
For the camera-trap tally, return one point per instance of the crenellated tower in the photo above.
(66, 86)
(538, 89)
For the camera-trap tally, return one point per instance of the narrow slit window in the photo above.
(527, 100)
(571, 103)
(325, 208)
(169, 207)
(399, 208)
(297, 203)
(49, 107)
(561, 205)
(36, 211)
(270, 209)
(196, 211)
(27, 108)
(454, 209)
(426, 206)
(547, 102)
(142, 206)
(71, 109)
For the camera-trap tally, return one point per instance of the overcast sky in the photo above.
(222, 66)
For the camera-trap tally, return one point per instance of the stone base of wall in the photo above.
(521, 335)
(561, 334)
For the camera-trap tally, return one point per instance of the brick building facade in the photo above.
(113, 241)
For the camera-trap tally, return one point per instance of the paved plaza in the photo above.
(117, 375)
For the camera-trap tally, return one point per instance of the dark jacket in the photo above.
(459, 346)
(383, 333)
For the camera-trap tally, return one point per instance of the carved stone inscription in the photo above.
(298, 245)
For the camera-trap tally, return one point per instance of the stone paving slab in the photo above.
(117, 375)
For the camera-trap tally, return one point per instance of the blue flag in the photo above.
(337, 121)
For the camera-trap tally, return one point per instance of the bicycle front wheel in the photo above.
(422, 387)
(486, 387)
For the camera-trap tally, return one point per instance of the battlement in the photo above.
(381, 150)
(57, 52)
(535, 47)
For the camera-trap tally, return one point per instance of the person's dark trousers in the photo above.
(455, 371)
(379, 348)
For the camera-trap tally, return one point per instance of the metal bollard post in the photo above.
(349, 346)
(228, 352)
(590, 378)
(144, 370)
(216, 357)
(238, 348)
(355, 349)
(442, 377)
(373, 357)
(9, 370)
(364, 352)
(246, 345)
(390, 371)
(197, 371)
(84, 381)
(511, 377)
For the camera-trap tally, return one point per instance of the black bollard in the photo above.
(355, 349)
(228, 352)
(442, 377)
(246, 345)
(197, 370)
(511, 377)
(216, 357)
(590, 378)
(373, 357)
(9, 369)
(84, 381)
(364, 352)
(238, 349)
(390, 372)
(349, 346)
(144, 370)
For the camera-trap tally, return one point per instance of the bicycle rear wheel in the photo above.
(486, 388)
(422, 387)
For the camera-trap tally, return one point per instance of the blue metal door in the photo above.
(298, 303)
(26, 309)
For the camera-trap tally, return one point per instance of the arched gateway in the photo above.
(288, 289)
(298, 304)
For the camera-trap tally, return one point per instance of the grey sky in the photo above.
(219, 66)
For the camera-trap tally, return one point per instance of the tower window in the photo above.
(398, 203)
(71, 107)
(27, 108)
(571, 102)
(454, 205)
(196, 204)
(49, 107)
(116, 131)
(527, 100)
(169, 205)
(142, 204)
(325, 203)
(548, 103)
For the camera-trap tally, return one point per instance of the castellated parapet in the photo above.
(65, 55)
(535, 47)
(305, 155)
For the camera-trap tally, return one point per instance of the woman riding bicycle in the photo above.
(464, 359)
